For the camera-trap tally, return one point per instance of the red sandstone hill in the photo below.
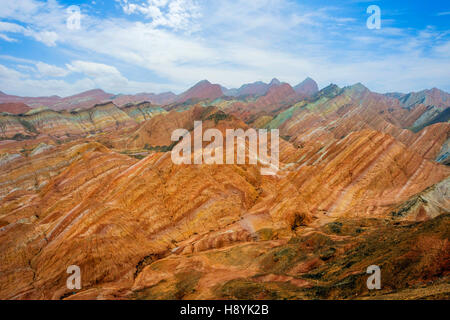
(30, 101)
(88, 99)
(82, 100)
(202, 90)
(14, 107)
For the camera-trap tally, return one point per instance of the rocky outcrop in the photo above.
(444, 155)
(427, 204)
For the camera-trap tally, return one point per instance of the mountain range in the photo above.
(202, 90)
(363, 180)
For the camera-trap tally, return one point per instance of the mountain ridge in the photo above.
(206, 90)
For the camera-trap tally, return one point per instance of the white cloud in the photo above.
(40, 18)
(19, 9)
(176, 14)
(95, 76)
(16, 59)
(11, 27)
(27, 68)
(104, 76)
(93, 69)
(6, 38)
(7, 73)
(47, 37)
(443, 49)
(231, 42)
(47, 70)
(110, 79)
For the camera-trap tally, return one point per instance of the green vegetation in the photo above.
(21, 137)
(28, 126)
(218, 116)
(160, 148)
(182, 285)
(246, 289)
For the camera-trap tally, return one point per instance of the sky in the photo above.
(131, 46)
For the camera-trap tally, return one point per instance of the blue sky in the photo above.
(160, 45)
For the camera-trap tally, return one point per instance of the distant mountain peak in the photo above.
(357, 87)
(435, 90)
(329, 91)
(92, 93)
(284, 88)
(274, 81)
(307, 87)
(202, 82)
(95, 90)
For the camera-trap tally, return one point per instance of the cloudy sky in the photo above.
(130, 46)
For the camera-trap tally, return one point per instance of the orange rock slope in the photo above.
(354, 188)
